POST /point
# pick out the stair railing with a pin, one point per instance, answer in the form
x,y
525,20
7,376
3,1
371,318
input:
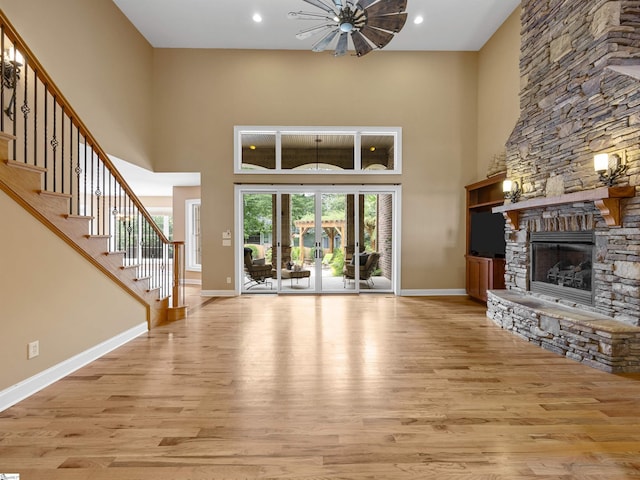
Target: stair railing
x,y
50,134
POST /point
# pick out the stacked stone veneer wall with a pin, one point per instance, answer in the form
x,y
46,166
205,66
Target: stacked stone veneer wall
x,y
573,106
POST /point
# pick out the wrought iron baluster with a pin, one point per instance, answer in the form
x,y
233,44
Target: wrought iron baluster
x,y
111,193
2,74
35,123
78,170
86,170
45,139
62,169
25,110
104,192
97,192
129,228
54,145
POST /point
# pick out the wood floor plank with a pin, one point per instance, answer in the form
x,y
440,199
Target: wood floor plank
x,y
333,387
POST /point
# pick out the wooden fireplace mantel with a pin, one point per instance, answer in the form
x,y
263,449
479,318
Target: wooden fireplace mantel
x,y
606,199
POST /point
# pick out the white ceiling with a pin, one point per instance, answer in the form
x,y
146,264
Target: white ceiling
x,y
456,25
146,183
453,25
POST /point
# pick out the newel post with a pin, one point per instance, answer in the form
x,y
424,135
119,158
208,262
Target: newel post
x,y
177,298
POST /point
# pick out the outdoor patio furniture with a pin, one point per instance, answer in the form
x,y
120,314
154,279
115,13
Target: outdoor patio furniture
x,y
257,271
297,274
367,267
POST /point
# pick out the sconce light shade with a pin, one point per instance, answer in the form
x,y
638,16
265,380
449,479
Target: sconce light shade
x,y
12,60
601,162
511,190
608,173
13,55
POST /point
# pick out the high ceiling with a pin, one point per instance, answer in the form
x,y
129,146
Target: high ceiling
x,y
455,25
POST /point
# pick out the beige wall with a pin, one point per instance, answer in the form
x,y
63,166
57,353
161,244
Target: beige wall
x,y
432,96
498,91
101,64
165,203
48,292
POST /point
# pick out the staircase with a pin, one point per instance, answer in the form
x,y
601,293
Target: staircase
x,y
52,166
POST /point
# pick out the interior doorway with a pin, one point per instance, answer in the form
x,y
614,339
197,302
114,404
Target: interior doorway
x,y
317,239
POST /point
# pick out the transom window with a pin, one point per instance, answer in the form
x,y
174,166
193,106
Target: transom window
x,y
318,150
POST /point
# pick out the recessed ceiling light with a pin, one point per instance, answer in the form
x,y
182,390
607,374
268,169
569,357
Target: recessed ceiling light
x,y
257,17
252,147
418,20
373,149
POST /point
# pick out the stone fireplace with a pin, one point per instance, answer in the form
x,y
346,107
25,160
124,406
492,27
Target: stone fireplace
x,y
575,102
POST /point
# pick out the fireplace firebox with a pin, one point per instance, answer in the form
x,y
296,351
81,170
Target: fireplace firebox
x,y
561,265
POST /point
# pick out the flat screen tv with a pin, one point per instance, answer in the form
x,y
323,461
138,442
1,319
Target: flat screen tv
x,y
487,235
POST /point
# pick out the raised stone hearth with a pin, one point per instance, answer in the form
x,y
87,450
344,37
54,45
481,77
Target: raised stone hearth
x,y
590,338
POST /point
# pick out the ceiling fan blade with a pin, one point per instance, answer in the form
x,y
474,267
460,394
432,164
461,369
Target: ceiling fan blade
x,y
365,3
360,43
321,5
325,41
392,23
385,8
341,49
378,37
308,16
312,31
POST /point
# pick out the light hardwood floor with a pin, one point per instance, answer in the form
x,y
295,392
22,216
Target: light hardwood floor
x,y
333,387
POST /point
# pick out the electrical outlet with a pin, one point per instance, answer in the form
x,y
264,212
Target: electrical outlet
x,y
33,349
228,279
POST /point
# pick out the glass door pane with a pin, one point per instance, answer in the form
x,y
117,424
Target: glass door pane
x,y
334,240
298,242
258,228
371,269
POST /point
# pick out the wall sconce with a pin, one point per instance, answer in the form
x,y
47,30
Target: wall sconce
x,y
511,190
610,166
12,60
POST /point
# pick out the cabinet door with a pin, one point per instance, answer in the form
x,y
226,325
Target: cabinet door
x,y
473,277
478,277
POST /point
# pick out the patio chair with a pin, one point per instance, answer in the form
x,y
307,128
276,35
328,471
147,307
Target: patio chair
x,y
367,267
257,271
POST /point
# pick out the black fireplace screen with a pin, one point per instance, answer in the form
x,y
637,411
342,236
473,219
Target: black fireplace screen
x,y
561,262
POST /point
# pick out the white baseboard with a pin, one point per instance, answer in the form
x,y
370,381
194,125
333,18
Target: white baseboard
x,y
190,281
218,293
15,393
452,292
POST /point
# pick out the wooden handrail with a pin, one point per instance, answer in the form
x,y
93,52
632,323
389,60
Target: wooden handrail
x,y
44,77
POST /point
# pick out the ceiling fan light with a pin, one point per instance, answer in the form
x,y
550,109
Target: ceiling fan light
x,y
346,27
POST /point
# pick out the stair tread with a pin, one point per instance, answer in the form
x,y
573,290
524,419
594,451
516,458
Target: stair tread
x,y
55,194
78,217
25,166
98,236
128,267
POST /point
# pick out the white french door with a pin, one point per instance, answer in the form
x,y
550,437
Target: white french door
x,y
319,239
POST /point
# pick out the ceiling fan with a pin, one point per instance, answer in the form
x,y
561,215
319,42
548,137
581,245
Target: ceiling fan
x,y
371,23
